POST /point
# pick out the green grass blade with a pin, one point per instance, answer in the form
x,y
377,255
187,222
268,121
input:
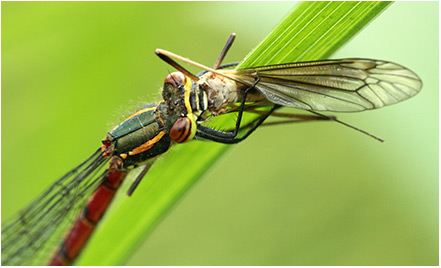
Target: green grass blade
x,y
314,30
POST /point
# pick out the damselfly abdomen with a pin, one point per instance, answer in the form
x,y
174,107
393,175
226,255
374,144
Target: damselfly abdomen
x,y
138,140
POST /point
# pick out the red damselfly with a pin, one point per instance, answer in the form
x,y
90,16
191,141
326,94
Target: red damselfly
x,y
346,85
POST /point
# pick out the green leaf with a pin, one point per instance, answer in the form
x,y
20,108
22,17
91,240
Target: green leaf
x,y
314,30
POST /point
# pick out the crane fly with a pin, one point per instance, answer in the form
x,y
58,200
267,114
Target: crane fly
x,y
344,85
188,101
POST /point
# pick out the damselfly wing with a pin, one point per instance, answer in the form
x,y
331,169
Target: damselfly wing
x,y
29,236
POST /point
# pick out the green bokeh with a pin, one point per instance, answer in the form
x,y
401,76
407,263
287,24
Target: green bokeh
x,y
309,194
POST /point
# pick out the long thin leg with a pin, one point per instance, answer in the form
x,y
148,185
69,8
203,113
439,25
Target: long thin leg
x,y
176,65
242,108
140,177
229,137
306,118
348,125
167,55
224,51
223,66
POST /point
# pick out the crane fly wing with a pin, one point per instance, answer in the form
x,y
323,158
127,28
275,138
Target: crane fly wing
x,y
346,85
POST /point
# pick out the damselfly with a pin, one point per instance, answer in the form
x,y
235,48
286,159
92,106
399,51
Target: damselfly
x,y
188,101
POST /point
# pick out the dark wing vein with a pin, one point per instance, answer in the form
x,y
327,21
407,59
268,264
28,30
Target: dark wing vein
x,y
29,236
346,85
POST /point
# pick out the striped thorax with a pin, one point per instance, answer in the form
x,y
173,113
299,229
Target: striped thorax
x,y
189,102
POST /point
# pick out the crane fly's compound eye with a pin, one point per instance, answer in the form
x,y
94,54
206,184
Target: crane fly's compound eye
x,y
171,83
176,79
183,130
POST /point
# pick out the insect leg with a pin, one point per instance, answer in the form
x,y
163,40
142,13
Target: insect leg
x,y
176,65
230,137
140,176
224,51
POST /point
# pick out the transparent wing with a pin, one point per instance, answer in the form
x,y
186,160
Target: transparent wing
x,y
29,236
346,85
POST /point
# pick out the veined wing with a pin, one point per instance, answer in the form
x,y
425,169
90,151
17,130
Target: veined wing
x,y
346,85
29,235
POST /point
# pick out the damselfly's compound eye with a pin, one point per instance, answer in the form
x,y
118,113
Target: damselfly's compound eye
x,y
171,83
183,130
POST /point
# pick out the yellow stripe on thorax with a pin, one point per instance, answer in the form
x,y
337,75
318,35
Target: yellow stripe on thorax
x,y
187,92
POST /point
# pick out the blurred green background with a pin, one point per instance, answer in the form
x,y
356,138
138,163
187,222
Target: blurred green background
x,y
306,194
